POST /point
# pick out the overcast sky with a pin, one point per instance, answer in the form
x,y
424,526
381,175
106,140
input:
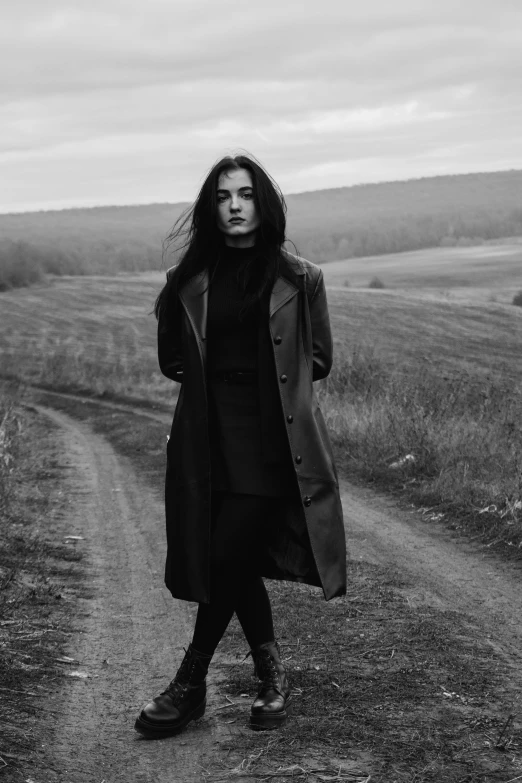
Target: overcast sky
x,y
129,101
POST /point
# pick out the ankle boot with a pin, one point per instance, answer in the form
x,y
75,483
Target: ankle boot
x,y
270,708
182,701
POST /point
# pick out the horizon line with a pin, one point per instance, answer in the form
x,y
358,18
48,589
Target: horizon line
x,y
112,205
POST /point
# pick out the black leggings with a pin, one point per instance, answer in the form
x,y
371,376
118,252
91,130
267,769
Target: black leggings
x,y
241,525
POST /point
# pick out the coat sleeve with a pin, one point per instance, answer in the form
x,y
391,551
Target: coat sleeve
x,y
321,331
170,355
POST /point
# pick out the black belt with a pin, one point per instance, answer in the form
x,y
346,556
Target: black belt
x,y
238,377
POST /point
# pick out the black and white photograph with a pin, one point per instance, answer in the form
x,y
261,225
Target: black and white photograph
x,y
261,391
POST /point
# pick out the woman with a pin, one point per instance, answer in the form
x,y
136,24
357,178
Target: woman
x,y
251,487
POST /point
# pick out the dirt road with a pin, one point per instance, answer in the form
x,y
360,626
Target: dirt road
x,y
447,572
132,633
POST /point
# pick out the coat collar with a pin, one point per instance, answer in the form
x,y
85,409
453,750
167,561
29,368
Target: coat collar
x,y
194,296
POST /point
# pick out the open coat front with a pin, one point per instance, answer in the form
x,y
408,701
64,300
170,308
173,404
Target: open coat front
x,y
310,542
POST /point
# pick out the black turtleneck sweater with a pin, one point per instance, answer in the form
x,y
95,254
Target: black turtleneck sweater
x,y
231,335
248,444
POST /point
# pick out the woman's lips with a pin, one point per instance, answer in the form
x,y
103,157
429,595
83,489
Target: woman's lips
x,y
236,220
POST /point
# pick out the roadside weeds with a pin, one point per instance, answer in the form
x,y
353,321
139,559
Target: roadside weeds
x,y
444,441
40,577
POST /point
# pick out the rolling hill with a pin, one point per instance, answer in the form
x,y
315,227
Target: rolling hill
x,y
325,225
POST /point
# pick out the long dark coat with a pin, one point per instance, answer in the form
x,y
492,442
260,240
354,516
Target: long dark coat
x,y
310,542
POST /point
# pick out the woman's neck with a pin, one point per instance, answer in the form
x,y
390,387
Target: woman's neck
x,y
242,242
230,251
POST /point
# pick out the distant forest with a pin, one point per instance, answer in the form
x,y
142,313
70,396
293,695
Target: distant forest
x,y
324,225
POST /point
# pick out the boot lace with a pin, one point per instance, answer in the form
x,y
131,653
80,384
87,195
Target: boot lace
x,y
178,689
268,673
180,685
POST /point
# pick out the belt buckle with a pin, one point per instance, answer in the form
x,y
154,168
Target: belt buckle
x,y
235,376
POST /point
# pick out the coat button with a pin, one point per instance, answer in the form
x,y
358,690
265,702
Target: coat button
x,y
283,378
298,459
290,418
307,500
278,340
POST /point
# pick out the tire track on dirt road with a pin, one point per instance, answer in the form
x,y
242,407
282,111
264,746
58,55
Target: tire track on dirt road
x,y
131,631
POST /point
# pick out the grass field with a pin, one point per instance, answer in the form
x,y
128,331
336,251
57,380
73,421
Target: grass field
x,y
436,375
90,334
429,315
405,328
492,271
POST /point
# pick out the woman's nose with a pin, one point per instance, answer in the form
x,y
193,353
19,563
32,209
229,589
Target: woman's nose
x,y
235,204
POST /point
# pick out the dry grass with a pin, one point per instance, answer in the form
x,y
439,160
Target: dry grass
x,y
37,577
9,441
406,329
88,335
452,442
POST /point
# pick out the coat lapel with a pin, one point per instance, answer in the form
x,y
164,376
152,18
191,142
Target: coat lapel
x,y
282,292
194,297
283,289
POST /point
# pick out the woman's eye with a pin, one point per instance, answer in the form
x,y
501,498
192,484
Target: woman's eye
x,y
221,199
248,195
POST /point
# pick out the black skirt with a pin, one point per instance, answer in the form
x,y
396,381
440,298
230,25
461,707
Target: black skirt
x,y
236,443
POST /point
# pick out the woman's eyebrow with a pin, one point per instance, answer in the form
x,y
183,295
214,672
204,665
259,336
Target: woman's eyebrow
x,y
245,187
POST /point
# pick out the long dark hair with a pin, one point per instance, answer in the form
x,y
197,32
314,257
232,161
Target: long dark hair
x,y
196,237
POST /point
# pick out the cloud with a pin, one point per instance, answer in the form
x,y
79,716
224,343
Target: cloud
x,y
120,101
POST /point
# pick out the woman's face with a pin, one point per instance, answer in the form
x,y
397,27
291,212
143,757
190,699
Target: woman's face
x,y
237,215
